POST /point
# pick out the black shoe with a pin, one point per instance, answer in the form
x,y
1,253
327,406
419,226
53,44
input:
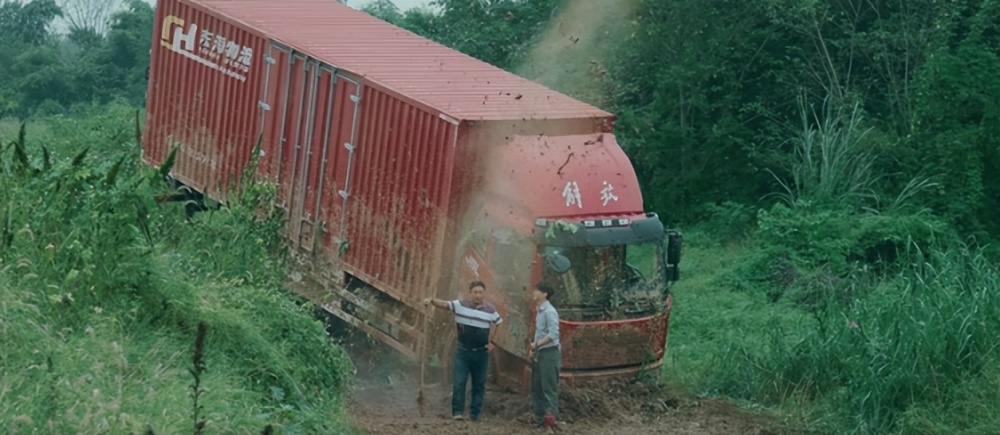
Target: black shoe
x,y
474,418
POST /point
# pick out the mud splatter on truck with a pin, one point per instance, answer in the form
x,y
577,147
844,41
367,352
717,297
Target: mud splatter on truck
x,y
405,169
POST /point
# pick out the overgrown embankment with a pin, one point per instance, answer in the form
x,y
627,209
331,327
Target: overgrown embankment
x,y
850,311
103,291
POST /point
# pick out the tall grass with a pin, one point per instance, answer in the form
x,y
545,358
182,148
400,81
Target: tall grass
x,y
831,164
710,313
919,338
102,291
897,320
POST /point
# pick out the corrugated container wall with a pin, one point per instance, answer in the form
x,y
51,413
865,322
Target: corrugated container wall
x,y
360,123
400,193
356,165
205,81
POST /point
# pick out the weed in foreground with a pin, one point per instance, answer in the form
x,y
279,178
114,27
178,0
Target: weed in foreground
x,y
103,289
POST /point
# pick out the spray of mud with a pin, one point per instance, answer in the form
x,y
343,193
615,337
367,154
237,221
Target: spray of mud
x,y
571,55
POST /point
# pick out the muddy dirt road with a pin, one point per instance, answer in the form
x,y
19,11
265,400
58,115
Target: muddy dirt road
x,y
393,410
384,401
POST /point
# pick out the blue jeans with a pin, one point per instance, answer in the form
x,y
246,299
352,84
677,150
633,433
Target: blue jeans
x,y
468,362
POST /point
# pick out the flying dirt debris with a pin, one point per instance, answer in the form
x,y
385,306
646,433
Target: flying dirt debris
x,y
569,57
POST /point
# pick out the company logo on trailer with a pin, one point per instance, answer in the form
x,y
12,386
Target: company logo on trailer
x,y
206,47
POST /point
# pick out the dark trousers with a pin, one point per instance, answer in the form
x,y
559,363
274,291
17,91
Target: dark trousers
x,y
468,362
545,383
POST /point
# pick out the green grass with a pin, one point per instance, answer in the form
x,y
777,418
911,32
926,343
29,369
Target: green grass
x,y
848,316
709,314
102,291
905,350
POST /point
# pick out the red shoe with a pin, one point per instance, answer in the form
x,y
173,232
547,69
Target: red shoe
x,y
550,421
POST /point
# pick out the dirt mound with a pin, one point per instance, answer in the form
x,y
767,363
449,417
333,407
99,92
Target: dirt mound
x,y
383,400
619,400
610,408
611,401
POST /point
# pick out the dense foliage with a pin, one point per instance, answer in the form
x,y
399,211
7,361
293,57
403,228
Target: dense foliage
x,y
103,290
44,72
709,93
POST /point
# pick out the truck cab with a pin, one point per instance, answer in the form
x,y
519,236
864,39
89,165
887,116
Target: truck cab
x,y
566,209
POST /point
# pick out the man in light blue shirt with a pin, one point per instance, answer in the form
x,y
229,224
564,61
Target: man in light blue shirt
x,y
546,357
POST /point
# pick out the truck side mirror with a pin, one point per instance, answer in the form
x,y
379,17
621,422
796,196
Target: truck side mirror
x,y
674,241
556,261
673,255
673,273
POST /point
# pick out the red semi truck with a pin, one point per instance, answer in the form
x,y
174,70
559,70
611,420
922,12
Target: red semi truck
x,y
406,169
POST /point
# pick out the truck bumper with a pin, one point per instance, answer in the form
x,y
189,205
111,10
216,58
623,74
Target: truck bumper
x,y
596,351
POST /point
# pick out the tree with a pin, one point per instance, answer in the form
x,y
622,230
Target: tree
x,y
27,23
385,10
494,31
116,67
92,15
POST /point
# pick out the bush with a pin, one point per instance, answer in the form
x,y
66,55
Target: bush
x,y
728,221
913,341
834,244
103,290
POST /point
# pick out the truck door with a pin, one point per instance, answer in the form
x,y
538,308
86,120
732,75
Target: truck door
x,y
286,82
302,155
315,161
309,127
340,156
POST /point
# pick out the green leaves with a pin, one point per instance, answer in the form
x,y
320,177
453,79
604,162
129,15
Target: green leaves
x,y
20,155
957,136
832,164
560,226
168,163
494,31
46,73
27,23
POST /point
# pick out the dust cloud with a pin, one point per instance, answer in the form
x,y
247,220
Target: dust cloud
x,y
571,54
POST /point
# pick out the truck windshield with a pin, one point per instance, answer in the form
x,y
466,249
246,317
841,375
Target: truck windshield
x,y
609,283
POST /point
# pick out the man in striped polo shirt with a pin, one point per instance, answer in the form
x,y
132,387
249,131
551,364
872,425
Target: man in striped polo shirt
x,y
476,321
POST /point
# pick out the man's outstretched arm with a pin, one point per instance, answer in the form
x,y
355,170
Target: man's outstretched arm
x,y
436,302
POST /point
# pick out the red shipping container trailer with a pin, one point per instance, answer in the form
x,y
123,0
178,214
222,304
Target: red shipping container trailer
x,y
406,169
